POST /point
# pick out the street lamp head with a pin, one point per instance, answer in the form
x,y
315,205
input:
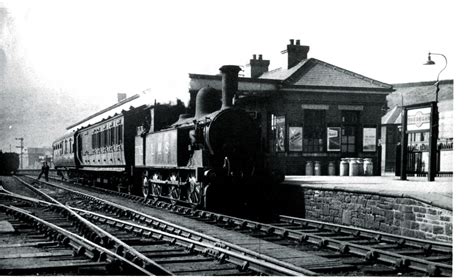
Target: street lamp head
x,y
429,61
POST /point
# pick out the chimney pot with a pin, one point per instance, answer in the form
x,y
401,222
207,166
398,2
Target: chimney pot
x,y
259,57
296,53
292,41
254,56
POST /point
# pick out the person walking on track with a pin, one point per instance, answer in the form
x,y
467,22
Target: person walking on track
x,y
45,171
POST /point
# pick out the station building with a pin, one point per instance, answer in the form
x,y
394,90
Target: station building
x,y
312,113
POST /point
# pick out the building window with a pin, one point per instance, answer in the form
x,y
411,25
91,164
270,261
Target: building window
x,y
349,133
314,131
278,133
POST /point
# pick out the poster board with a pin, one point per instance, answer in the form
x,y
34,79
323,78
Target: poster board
x,y
334,139
369,139
280,134
295,138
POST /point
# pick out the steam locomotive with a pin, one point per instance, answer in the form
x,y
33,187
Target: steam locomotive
x,y
200,160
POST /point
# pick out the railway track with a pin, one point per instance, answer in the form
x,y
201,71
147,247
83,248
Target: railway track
x,y
32,245
373,253
156,251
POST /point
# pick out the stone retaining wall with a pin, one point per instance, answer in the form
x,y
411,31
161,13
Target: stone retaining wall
x,y
397,215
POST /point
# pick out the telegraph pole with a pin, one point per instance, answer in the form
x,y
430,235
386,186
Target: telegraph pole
x,y
21,150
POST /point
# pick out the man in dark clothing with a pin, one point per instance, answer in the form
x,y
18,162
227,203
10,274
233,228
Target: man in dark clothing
x,y
45,171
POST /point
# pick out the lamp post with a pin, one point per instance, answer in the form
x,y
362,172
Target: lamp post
x,y
434,129
21,150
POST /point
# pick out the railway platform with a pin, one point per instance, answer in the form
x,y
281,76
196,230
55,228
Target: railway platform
x,y
415,207
439,192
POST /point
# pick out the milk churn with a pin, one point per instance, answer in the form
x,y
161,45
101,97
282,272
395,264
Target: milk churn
x,y
353,167
368,167
317,168
360,165
331,168
344,167
309,168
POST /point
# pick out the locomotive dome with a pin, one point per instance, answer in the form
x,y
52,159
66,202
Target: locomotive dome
x,y
208,100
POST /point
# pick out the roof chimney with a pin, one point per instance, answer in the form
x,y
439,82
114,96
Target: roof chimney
x,y
121,96
296,53
258,66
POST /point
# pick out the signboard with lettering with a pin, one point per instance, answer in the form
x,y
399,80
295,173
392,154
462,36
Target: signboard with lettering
x,y
418,119
369,139
296,139
334,138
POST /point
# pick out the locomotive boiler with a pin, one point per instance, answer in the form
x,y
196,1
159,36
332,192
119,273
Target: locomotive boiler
x,y
200,159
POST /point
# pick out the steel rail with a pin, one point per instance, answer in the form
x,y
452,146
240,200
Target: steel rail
x,y
81,245
182,230
398,260
98,235
222,254
379,236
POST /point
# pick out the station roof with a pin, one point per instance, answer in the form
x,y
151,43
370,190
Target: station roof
x,y
309,74
416,93
420,92
314,72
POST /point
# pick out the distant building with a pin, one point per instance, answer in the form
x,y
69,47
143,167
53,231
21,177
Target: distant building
x,y
416,93
309,111
33,158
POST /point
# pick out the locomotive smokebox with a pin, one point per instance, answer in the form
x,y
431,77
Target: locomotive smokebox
x,y
230,74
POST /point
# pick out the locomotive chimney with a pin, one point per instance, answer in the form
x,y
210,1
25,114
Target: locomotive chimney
x,y
230,74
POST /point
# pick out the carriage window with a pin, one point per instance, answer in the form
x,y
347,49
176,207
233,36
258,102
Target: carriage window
x,y
109,137
112,132
119,134
102,138
99,139
70,145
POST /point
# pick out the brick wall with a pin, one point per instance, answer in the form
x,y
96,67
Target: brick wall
x,y
396,215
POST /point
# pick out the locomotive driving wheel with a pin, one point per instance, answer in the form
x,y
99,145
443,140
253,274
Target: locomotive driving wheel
x,y
145,188
174,189
193,193
156,190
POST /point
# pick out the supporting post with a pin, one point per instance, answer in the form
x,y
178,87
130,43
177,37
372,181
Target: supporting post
x,y
21,150
433,137
404,147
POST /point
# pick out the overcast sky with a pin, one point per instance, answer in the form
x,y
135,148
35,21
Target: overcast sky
x,y
98,48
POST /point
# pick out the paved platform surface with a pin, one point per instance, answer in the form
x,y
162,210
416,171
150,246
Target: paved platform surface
x,y
438,193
